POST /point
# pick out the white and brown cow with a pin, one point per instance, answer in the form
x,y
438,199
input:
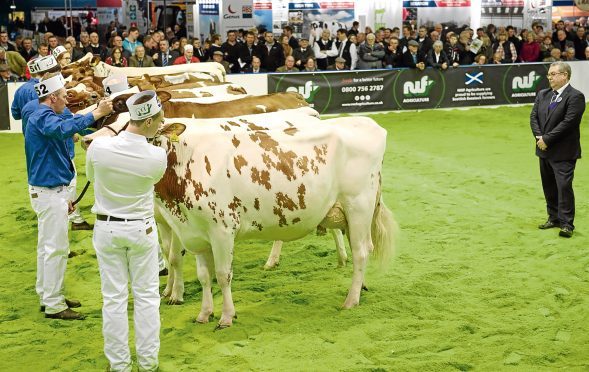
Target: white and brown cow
x,y
240,179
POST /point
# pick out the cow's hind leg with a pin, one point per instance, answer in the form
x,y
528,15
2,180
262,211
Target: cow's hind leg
x,y
176,295
342,256
359,222
223,254
205,265
274,258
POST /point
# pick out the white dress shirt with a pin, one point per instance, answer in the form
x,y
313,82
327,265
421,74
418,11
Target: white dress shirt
x,y
124,169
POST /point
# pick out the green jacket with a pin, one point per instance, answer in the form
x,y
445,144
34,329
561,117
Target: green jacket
x,y
16,62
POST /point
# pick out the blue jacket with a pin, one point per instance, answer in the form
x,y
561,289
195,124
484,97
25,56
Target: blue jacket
x,y
48,160
22,96
32,106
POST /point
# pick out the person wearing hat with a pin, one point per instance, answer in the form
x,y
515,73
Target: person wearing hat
x,y
218,57
5,76
27,93
188,56
50,171
303,53
412,58
340,65
124,170
14,60
62,56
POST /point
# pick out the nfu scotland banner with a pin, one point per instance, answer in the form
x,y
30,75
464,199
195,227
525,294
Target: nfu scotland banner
x,y
409,89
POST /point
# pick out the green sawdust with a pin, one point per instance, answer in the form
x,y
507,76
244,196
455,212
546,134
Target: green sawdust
x,y
474,285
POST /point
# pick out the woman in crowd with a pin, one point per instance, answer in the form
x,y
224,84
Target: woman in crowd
x,y
183,42
310,65
530,51
116,58
486,49
546,47
287,49
505,47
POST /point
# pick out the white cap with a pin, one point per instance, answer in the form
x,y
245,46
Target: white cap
x,y
188,47
42,64
143,110
58,50
53,84
114,84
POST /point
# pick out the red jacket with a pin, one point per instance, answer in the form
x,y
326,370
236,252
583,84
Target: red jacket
x,y
182,60
530,52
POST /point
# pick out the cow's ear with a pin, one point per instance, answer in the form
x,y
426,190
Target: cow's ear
x,y
163,95
172,130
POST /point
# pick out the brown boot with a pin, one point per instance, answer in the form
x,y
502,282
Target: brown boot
x,y
70,303
67,314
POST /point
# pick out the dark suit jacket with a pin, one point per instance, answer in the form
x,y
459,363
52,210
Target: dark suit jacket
x,y
408,59
558,125
172,55
431,59
273,59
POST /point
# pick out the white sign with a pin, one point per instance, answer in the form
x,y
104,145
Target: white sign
x,y
236,14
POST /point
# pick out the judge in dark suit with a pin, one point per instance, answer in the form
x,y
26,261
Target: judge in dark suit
x,y
555,120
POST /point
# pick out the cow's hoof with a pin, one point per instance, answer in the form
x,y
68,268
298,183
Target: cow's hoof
x,y
350,304
364,287
204,318
342,264
271,266
175,301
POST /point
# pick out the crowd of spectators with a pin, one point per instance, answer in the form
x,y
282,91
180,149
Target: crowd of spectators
x,y
254,51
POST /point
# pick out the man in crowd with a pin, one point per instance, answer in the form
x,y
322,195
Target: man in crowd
x,y
124,170
256,66
53,43
323,50
96,48
165,56
340,65
131,42
289,65
562,43
117,42
412,58
140,59
218,57
27,51
50,171
555,121
15,62
580,43
270,53
4,43
346,49
246,51
5,76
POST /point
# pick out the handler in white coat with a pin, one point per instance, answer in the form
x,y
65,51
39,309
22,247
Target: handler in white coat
x,y
124,170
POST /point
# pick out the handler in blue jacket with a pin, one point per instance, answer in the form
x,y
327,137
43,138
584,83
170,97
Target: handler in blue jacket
x,y
50,171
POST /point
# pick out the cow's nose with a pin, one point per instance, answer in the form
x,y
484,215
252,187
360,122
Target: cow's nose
x,y
86,143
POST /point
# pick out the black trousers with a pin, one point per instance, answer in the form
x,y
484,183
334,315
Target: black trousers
x,y
557,182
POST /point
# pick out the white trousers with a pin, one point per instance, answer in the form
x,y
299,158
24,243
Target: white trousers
x,y
50,205
75,216
128,251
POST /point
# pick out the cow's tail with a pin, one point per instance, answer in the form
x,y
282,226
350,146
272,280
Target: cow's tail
x,y
384,230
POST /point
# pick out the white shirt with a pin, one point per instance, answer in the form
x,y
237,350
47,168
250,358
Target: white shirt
x,y
559,91
124,169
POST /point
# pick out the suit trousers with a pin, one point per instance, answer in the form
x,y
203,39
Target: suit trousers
x,y
557,182
128,251
50,205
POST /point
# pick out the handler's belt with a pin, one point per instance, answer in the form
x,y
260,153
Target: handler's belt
x,y
104,217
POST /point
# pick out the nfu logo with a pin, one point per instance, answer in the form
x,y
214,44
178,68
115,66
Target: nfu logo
x,y
308,91
526,83
418,88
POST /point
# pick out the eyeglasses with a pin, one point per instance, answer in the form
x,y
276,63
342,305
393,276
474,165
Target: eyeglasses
x,y
555,73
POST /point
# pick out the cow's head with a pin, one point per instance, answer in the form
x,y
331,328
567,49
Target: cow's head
x,y
78,100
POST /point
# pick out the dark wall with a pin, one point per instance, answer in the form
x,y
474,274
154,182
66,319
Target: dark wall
x,y
28,5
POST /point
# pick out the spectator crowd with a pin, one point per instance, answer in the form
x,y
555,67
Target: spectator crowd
x,y
259,51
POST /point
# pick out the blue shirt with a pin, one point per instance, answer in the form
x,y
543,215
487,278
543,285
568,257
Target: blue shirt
x,y
22,96
131,45
31,107
48,160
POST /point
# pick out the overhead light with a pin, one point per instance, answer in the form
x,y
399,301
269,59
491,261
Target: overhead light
x,y
13,6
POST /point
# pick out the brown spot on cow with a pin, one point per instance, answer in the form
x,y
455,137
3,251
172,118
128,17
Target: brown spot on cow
x,y
320,153
261,178
235,141
226,128
268,161
285,164
296,220
171,188
236,203
212,191
252,126
303,164
239,162
284,201
291,131
228,174
232,123
281,217
314,167
301,191
257,204
257,225
264,140
207,165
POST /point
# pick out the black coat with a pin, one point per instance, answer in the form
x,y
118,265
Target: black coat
x,y
408,59
272,59
431,60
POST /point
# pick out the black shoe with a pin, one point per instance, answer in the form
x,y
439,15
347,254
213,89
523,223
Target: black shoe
x,y
549,225
566,232
164,272
82,226
67,314
69,303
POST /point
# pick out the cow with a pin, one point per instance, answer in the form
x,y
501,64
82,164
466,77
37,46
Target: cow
x,y
243,180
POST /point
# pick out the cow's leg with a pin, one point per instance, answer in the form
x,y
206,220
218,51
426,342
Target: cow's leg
x,y
359,222
223,254
274,258
342,256
205,265
165,233
176,296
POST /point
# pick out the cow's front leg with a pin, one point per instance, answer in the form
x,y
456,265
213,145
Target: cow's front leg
x,y
176,296
274,258
223,255
205,265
